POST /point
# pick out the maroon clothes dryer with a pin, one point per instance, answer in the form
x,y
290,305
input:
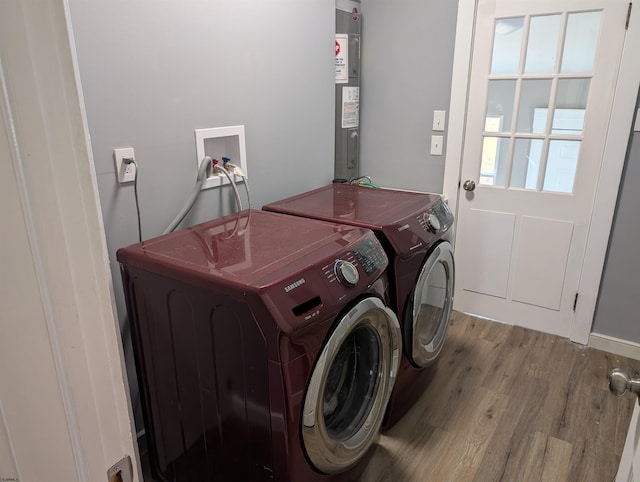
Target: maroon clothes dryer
x,y
264,347
413,228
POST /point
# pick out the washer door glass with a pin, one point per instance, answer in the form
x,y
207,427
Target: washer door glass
x,y
427,316
350,386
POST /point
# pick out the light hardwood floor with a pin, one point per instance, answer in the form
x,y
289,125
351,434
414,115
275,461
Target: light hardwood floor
x,y
509,404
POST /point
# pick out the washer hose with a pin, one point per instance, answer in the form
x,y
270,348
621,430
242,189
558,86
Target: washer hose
x,y
202,173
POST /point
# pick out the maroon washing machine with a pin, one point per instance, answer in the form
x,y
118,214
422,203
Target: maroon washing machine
x,y
264,348
413,228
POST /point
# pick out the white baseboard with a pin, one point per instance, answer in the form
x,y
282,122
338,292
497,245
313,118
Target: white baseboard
x,y
616,346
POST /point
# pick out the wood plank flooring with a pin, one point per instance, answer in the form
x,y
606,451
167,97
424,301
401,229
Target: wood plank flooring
x,y
509,404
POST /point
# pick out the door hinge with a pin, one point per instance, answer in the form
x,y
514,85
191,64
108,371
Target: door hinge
x,y
626,26
575,302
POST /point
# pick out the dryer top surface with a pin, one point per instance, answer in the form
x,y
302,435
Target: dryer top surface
x,y
250,248
409,221
362,206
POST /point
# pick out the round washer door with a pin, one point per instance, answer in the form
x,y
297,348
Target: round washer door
x,y
350,386
426,318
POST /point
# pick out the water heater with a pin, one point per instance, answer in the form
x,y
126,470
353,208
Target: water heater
x,y
347,125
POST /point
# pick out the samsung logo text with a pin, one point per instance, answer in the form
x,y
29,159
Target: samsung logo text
x,y
294,285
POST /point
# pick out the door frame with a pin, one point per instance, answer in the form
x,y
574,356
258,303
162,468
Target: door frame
x,y
43,107
616,143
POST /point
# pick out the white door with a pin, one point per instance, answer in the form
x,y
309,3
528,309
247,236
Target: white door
x,y
629,470
64,413
542,87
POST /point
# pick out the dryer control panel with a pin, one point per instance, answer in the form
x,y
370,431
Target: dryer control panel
x,y
437,219
420,230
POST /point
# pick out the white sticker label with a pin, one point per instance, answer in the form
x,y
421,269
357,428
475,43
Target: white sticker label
x,y
342,58
350,107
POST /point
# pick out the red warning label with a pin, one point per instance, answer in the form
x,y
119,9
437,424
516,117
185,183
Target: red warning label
x,y
342,60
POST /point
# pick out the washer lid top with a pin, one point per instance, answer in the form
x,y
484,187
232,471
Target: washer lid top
x,y
250,248
407,218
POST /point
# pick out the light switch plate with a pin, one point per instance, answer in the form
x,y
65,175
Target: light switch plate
x,y
439,117
436,145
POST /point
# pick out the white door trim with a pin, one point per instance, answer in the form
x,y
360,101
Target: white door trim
x,y
615,151
43,107
37,254
459,98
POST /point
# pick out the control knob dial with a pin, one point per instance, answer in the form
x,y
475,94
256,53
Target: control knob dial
x,y
347,273
432,222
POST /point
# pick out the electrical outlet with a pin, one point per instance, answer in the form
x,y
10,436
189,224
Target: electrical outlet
x,y
125,172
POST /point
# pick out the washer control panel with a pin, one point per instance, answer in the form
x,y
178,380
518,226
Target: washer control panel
x,y
370,256
343,271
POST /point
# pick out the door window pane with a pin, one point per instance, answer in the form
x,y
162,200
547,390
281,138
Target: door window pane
x,y
500,101
493,123
542,91
526,163
534,103
495,153
571,103
561,166
580,41
507,41
542,47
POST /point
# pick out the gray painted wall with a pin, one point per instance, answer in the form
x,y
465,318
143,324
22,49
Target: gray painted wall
x,y
153,71
407,61
617,310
